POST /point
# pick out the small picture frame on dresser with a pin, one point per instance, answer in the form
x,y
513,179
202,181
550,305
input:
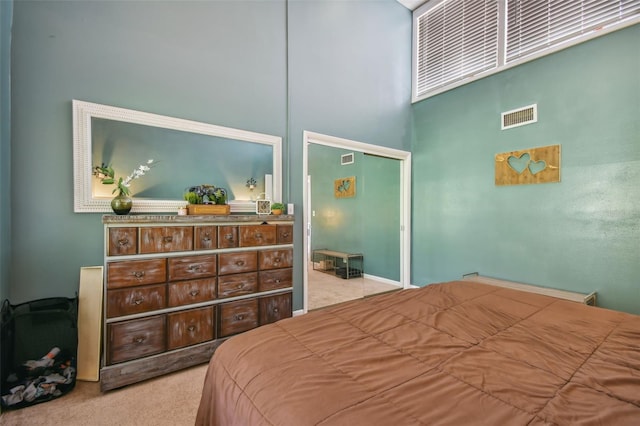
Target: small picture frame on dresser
x,y
263,206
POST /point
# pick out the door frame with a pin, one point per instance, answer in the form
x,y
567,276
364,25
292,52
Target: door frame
x,y
405,198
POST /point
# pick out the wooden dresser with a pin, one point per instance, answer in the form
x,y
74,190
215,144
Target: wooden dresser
x,y
177,286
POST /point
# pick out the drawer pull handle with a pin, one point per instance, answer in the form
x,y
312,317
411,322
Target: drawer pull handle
x,y
191,328
240,263
206,239
241,285
194,292
138,274
239,317
285,234
167,239
138,301
258,235
276,310
123,242
194,268
276,260
139,339
277,281
228,237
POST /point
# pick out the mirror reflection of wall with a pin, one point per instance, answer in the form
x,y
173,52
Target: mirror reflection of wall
x,y
183,159
368,223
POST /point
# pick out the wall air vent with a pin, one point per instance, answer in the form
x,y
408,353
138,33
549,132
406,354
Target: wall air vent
x,y
520,116
347,159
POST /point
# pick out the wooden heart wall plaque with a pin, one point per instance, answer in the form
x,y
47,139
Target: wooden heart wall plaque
x,y
535,165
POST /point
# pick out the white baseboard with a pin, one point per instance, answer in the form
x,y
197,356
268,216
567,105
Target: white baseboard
x,y
382,280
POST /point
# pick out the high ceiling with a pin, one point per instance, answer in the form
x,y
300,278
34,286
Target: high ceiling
x,y
411,4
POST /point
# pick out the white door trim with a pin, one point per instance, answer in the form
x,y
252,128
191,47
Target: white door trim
x,y
405,198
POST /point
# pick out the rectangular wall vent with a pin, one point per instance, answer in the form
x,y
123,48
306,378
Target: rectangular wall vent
x,y
347,159
520,116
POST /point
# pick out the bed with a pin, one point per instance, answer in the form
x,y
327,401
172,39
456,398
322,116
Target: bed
x,y
453,353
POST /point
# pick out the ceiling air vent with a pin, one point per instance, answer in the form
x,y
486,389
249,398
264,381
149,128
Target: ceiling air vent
x,y
520,116
347,159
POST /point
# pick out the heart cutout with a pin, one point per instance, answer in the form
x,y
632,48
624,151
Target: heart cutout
x,y
537,166
519,164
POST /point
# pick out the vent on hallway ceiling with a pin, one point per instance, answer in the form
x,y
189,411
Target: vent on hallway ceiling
x,y
520,116
347,159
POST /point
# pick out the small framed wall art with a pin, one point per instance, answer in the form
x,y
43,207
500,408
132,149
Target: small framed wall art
x,y
345,187
263,206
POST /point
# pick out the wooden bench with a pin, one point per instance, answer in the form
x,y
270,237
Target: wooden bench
x,y
326,260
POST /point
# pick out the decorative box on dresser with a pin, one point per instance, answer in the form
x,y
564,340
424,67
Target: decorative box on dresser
x,y
178,286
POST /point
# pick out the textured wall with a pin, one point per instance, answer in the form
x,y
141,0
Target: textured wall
x,y
218,62
6,12
349,74
581,234
276,67
368,223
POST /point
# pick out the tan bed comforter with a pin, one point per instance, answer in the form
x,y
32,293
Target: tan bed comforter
x,y
452,353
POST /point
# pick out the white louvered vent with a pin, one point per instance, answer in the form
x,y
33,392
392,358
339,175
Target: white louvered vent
x,y
347,159
520,116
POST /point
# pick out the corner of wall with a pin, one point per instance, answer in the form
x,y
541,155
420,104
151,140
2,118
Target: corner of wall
x,y
6,18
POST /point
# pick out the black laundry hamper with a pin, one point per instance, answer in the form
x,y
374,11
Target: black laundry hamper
x,y
30,331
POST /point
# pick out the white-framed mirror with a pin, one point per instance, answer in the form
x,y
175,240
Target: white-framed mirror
x,y
241,150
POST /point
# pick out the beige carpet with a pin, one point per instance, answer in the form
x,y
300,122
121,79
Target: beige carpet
x,y
168,400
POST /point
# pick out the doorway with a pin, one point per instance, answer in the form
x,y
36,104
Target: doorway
x,y
397,244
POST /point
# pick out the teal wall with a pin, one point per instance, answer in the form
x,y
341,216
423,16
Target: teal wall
x,y
336,224
581,234
275,67
217,62
6,11
368,223
349,73
381,216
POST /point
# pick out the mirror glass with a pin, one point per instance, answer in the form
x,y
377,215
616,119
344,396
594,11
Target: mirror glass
x,y
185,153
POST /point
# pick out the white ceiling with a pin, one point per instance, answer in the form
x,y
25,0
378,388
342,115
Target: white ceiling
x,y
411,4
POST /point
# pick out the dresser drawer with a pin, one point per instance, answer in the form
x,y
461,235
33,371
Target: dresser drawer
x,y
257,235
122,241
228,236
285,234
191,267
275,308
134,300
236,317
166,239
194,291
136,338
275,259
233,263
237,284
274,279
129,273
205,237
190,327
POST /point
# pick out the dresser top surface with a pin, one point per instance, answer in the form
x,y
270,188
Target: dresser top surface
x,y
191,219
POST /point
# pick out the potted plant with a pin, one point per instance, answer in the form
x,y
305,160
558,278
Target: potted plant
x,y
122,202
277,208
206,199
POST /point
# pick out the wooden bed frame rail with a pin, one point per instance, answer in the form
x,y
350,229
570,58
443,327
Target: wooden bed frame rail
x,y
587,299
